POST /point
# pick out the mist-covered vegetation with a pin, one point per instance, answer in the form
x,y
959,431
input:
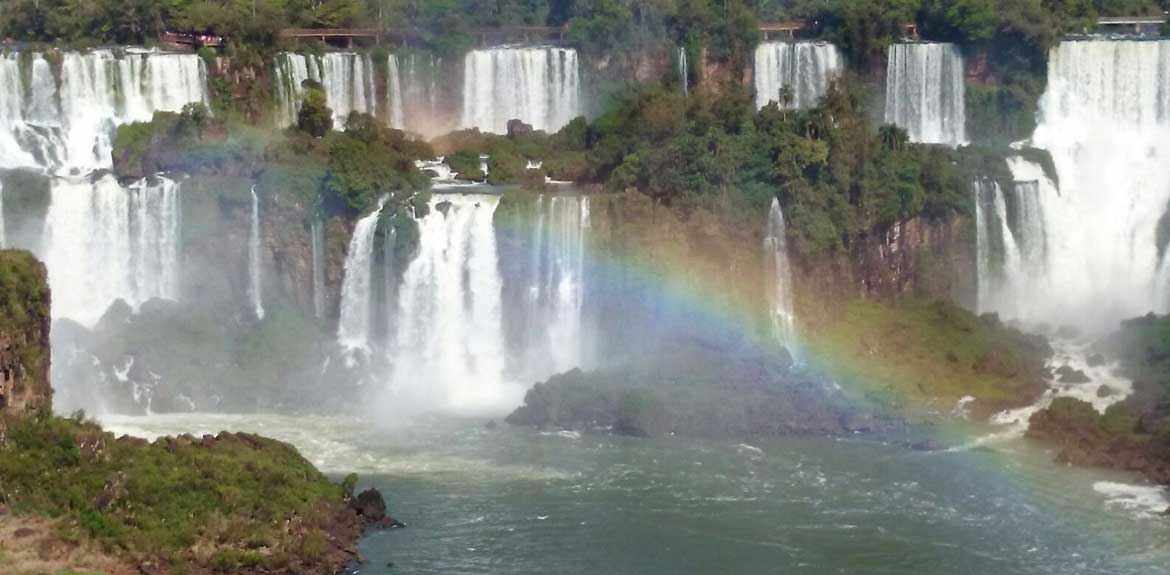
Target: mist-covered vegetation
x,y
343,171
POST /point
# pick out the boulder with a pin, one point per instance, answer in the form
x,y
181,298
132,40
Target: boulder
x,y
518,128
371,508
1066,374
1105,391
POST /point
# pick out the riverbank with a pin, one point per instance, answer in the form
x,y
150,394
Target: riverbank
x,y
75,496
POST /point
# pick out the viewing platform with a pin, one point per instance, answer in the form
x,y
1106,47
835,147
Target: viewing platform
x,y
1136,25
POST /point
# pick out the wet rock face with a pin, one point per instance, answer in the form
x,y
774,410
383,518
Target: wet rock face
x,y
24,334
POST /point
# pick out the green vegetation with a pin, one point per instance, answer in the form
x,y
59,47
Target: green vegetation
x,y
837,176
928,355
314,118
24,295
230,502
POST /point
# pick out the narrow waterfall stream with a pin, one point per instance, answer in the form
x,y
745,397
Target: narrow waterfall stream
x,y
255,259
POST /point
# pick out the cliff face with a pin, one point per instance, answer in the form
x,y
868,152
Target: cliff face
x,y
24,333
920,257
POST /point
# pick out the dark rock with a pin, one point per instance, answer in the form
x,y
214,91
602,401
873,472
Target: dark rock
x,y
443,207
370,505
926,445
1066,374
114,491
491,424
24,532
518,128
1105,391
1096,359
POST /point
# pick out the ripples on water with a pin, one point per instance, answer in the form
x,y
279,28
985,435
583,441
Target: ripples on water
x,y
515,501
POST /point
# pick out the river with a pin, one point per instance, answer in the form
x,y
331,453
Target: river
x,y
506,500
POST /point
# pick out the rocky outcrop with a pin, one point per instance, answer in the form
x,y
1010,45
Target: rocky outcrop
x,y
24,334
696,388
1113,440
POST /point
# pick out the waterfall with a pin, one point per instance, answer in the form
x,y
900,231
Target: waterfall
x,y
104,242
317,237
925,92
394,94
3,234
255,259
69,125
390,281
683,77
554,287
997,252
1092,243
804,69
448,349
780,296
353,327
538,85
346,77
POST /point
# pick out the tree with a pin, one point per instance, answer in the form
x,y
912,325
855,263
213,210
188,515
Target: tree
x,y
314,117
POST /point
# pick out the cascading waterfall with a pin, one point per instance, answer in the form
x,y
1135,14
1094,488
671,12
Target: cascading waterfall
x,y
780,296
925,92
683,72
105,242
448,350
69,125
1091,245
537,85
346,77
394,94
353,327
255,290
317,239
102,242
803,69
423,111
555,287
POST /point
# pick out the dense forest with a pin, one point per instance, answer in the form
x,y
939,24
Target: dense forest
x,y
727,28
